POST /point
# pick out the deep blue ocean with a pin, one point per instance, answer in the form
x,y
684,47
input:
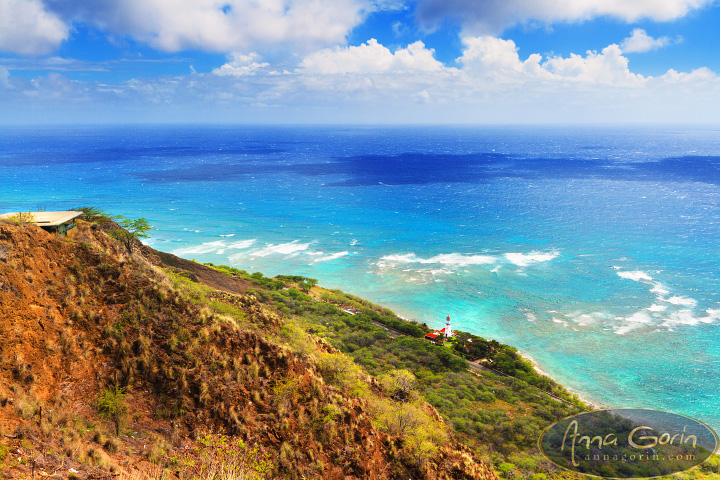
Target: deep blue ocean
x,y
593,250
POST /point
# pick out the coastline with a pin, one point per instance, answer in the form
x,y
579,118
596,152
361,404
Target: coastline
x,y
536,366
581,395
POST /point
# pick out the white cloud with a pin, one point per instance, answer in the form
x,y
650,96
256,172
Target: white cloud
x,y
498,58
240,65
492,83
26,28
609,67
225,26
371,57
493,16
702,74
640,42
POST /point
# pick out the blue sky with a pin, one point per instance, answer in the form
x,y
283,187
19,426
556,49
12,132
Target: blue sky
x,y
359,61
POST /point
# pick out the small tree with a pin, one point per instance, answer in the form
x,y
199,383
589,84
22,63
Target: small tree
x,y
307,283
131,231
92,214
111,404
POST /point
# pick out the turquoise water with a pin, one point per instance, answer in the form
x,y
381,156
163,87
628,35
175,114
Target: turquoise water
x,y
595,251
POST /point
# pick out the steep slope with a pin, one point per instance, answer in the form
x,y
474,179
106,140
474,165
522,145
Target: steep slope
x,y
95,343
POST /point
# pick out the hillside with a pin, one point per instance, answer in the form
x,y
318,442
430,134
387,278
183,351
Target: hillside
x,y
127,365
151,366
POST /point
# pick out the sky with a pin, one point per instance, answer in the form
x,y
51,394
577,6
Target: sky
x,y
360,61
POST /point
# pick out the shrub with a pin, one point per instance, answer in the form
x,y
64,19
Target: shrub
x,y
223,457
399,384
112,405
506,467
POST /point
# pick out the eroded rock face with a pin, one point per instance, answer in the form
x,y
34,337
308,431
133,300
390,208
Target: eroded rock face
x,y
78,315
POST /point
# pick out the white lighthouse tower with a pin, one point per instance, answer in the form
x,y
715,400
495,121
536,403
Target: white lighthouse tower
x,y
448,330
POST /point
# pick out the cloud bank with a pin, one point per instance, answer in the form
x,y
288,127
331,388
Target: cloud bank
x,y
372,83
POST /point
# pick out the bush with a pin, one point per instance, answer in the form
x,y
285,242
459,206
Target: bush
x,y
399,384
223,457
111,404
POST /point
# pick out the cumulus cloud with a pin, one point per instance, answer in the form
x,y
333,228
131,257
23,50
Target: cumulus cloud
x,y
371,57
239,65
640,42
609,67
697,76
27,28
499,59
493,16
372,83
223,26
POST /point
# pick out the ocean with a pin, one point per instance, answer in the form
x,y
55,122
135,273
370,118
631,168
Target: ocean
x,y
593,250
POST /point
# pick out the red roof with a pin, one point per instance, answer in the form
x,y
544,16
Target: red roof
x,y
432,335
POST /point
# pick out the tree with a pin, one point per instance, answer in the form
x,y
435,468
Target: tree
x,y
130,231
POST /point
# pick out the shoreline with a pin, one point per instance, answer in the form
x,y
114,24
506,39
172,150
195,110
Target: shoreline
x,y
581,395
536,366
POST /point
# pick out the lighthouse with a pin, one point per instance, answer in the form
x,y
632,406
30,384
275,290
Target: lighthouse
x,y
448,330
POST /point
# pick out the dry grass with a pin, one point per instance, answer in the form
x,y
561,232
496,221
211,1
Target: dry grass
x,y
19,218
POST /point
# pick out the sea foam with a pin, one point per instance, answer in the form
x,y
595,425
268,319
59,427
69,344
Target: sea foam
x,y
289,248
450,259
637,275
634,321
686,317
208,247
333,256
525,259
242,244
683,301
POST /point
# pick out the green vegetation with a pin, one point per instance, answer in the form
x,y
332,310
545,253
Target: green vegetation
x,y
92,214
501,416
500,357
111,404
130,232
219,457
304,283
328,302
